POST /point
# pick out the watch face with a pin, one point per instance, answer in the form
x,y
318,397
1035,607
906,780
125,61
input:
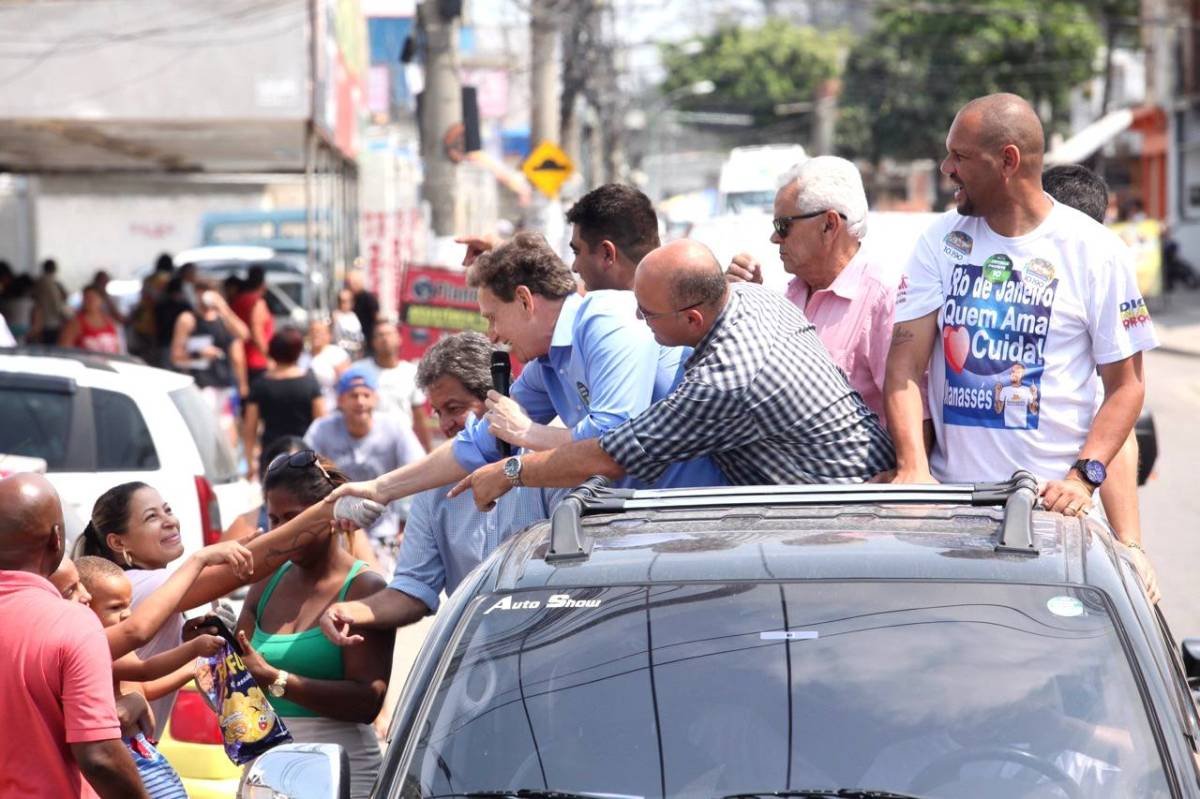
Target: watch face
x,y
512,468
1094,471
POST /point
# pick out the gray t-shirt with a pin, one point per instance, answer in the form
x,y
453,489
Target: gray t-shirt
x,y
170,635
390,445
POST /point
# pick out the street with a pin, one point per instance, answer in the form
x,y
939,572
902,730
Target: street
x,y
1170,500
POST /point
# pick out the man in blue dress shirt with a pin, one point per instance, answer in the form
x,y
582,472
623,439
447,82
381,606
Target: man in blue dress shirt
x,y
588,361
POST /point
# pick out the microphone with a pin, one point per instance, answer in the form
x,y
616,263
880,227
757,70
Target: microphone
x,y
501,380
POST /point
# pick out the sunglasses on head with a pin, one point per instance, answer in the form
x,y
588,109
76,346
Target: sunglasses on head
x,y
297,460
783,224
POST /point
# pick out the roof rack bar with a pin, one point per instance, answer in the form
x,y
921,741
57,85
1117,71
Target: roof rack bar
x,y
1017,495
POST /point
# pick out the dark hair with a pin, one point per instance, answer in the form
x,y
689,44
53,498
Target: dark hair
x,y
525,260
49,266
308,484
696,287
1078,187
233,284
286,345
164,263
278,447
619,213
256,276
467,357
110,514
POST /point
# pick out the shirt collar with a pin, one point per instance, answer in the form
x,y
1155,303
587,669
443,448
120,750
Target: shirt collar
x,y
14,579
564,328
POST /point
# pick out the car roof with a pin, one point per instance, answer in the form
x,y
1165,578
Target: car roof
x,y
118,372
842,533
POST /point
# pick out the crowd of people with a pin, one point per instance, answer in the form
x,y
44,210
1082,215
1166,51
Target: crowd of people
x,y
1004,342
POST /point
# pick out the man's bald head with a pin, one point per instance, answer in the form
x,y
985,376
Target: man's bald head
x,y
1003,119
31,526
688,270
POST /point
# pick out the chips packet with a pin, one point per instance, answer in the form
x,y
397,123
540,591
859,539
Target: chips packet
x,y
248,723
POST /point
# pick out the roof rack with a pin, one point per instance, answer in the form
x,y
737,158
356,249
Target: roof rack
x,y
1017,495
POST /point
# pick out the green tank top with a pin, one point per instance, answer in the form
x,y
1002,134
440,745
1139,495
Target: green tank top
x,y
308,653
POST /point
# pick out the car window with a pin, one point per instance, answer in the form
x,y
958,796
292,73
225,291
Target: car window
x,y
220,465
123,442
930,689
37,424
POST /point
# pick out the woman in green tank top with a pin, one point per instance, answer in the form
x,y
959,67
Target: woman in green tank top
x,y
326,694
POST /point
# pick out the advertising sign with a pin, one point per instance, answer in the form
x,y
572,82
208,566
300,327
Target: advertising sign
x,y
434,302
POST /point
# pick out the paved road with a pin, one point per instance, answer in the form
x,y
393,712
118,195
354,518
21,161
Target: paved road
x,y
1171,500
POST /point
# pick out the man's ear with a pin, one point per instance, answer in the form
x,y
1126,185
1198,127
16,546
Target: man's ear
x,y
525,298
610,252
1010,159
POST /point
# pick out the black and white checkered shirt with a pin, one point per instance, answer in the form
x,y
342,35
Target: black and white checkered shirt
x,y
762,397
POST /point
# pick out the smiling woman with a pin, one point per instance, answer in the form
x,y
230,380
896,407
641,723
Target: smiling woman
x,y
135,528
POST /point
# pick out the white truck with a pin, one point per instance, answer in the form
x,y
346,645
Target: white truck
x,y
750,176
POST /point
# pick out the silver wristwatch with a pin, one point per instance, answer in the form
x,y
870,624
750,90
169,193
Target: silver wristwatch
x,y
512,470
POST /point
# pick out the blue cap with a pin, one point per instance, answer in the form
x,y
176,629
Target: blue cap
x,y
357,377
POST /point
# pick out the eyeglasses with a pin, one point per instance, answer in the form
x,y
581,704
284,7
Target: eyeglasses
x,y
648,316
297,460
783,224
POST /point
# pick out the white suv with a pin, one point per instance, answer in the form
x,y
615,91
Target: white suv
x,y
100,420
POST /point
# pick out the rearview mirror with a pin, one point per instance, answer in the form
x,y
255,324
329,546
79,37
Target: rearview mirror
x,y
298,771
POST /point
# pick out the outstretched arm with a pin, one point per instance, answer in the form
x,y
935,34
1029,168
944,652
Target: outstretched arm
x,y
133,669
435,469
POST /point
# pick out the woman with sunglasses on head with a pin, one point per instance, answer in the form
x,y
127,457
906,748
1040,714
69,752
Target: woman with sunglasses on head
x,y
135,528
326,694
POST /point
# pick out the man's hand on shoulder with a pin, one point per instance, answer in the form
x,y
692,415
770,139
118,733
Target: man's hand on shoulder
x,y
744,268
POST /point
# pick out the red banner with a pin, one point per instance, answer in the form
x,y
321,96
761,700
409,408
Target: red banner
x,y
435,301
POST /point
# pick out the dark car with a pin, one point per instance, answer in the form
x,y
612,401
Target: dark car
x,y
911,641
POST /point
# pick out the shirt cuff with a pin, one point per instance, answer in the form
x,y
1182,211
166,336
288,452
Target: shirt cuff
x,y
417,590
622,446
475,446
93,734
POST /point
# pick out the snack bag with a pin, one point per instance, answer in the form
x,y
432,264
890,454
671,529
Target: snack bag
x,y
248,722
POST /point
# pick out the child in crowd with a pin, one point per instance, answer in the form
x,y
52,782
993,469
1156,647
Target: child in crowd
x,y
112,595
66,581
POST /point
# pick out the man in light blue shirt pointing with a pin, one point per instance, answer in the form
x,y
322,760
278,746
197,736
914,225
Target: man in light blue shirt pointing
x,y
588,360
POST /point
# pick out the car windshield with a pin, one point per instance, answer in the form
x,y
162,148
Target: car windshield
x,y
921,688
220,466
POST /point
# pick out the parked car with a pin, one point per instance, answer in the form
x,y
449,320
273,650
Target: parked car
x,y
291,289
812,641
100,420
193,743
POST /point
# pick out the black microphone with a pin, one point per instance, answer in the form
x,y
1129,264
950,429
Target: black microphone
x,y
501,380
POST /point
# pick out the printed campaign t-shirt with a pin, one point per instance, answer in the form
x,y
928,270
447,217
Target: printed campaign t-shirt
x,y
1024,322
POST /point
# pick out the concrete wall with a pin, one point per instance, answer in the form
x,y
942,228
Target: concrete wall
x,y
121,225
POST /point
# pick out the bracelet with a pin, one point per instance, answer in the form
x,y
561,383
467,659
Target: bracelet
x,y
1134,545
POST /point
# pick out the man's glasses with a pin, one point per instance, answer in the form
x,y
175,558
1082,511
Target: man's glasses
x,y
297,460
649,316
783,224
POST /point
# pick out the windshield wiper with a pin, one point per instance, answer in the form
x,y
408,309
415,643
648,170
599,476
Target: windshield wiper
x,y
532,793
824,793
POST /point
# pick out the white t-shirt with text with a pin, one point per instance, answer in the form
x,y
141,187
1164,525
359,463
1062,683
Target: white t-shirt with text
x,y
1023,324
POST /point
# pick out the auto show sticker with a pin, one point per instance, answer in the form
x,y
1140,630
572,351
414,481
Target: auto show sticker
x,y
1067,606
554,601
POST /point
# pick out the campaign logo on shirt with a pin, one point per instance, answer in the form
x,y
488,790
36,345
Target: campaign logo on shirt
x,y
1037,272
993,337
957,245
1134,313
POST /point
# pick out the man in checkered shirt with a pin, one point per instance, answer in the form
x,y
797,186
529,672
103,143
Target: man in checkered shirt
x,y
760,394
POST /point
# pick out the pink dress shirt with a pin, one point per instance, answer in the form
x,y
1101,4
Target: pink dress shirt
x,y
854,317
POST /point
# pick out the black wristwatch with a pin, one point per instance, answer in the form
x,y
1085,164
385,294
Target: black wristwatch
x,y
1092,471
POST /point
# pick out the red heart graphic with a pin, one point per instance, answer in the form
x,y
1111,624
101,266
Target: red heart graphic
x,y
956,341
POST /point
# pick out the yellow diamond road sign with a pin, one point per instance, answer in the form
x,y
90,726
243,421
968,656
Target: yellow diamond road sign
x,y
547,168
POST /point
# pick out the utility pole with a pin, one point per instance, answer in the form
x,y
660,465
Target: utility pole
x,y
543,43
441,112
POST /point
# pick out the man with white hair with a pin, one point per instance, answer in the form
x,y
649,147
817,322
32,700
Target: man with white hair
x,y
820,221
